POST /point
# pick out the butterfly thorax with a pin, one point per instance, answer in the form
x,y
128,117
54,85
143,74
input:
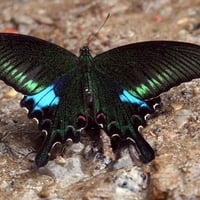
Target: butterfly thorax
x,y
86,65
85,59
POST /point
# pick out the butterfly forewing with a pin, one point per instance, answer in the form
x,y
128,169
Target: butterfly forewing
x,y
30,64
147,69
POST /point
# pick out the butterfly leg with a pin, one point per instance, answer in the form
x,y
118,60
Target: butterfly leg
x,y
106,145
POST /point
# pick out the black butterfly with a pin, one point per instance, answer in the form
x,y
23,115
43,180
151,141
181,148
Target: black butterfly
x,y
112,91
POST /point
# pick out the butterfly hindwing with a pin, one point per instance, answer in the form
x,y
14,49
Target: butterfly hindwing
x,y
30,64
57,108
146,69
120,113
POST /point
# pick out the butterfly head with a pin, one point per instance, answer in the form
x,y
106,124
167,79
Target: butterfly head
x,y
85,50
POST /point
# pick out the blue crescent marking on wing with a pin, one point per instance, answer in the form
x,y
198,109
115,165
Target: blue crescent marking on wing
x,y
45,98
125,96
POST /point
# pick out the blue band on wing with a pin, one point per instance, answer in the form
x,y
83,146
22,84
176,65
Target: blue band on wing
x,y
45,98
125,96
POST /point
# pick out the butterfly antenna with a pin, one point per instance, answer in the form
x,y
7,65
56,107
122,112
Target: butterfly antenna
x,y
91,36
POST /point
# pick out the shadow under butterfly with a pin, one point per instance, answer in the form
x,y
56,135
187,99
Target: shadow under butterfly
x,y
113,91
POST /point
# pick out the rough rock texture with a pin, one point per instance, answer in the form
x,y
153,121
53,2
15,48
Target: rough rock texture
x,y
174,133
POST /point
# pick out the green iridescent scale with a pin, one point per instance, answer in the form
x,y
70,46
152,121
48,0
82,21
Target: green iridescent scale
x,y
113,91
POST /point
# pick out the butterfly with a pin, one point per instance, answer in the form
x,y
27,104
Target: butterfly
x,y
113,91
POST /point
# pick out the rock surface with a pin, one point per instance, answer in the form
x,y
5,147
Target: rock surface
x,y
174,133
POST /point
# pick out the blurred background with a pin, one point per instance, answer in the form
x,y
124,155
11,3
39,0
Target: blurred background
x,y
174,133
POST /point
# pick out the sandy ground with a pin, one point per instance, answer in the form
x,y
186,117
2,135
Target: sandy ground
x,y
174,133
